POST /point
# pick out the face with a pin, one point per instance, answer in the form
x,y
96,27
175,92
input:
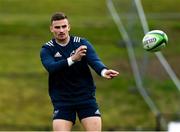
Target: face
x,y
60,30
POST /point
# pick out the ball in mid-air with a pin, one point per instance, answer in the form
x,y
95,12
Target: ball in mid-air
x,y
154,40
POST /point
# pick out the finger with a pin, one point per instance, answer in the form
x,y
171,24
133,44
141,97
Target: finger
x,y
82,51
83,47
113,75
113,72
78,49
108,77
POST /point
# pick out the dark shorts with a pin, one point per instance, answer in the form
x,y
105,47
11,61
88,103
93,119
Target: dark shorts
x,y
69,112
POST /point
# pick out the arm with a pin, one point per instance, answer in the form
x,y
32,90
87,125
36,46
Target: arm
x,y
97,65
93,59
49,63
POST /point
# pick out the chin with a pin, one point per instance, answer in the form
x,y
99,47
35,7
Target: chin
x,y
62,39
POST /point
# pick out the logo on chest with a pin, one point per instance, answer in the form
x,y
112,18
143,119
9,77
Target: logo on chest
x,y
57,54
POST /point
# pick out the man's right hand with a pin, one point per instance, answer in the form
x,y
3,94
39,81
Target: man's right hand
x,y
79,53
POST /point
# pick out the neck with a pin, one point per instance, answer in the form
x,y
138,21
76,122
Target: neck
x,y
63,42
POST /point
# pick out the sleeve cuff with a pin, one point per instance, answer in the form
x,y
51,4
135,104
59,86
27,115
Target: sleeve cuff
x,y
70,62
103,72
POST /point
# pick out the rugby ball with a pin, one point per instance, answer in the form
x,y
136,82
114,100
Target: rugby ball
x,y
154,40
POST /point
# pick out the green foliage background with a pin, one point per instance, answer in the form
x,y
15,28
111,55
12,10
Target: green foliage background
x,y
24,100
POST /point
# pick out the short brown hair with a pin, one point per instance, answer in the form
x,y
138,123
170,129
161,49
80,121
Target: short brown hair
x,y
58,16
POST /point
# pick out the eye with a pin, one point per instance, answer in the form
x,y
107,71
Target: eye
x,y
64,26
57,27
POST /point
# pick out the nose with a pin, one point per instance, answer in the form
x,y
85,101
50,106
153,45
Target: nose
x,y
61,29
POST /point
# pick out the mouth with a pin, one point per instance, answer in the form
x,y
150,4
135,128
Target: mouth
x,y
61,35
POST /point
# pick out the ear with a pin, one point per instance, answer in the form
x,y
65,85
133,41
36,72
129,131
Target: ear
x,y
69,27
51,28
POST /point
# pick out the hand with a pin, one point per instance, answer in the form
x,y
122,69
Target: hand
x,y
109,74
79,53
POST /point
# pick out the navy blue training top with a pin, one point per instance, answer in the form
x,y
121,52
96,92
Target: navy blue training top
x,y
70,84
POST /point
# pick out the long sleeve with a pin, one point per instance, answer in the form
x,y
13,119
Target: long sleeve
x,y
93,59
49,62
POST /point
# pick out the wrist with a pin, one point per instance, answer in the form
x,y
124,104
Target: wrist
x,y
103,72
70,61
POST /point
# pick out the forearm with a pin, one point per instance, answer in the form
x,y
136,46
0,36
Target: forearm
x,y
98,66
53,66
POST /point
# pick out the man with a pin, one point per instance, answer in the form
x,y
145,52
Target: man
x,y
71,86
